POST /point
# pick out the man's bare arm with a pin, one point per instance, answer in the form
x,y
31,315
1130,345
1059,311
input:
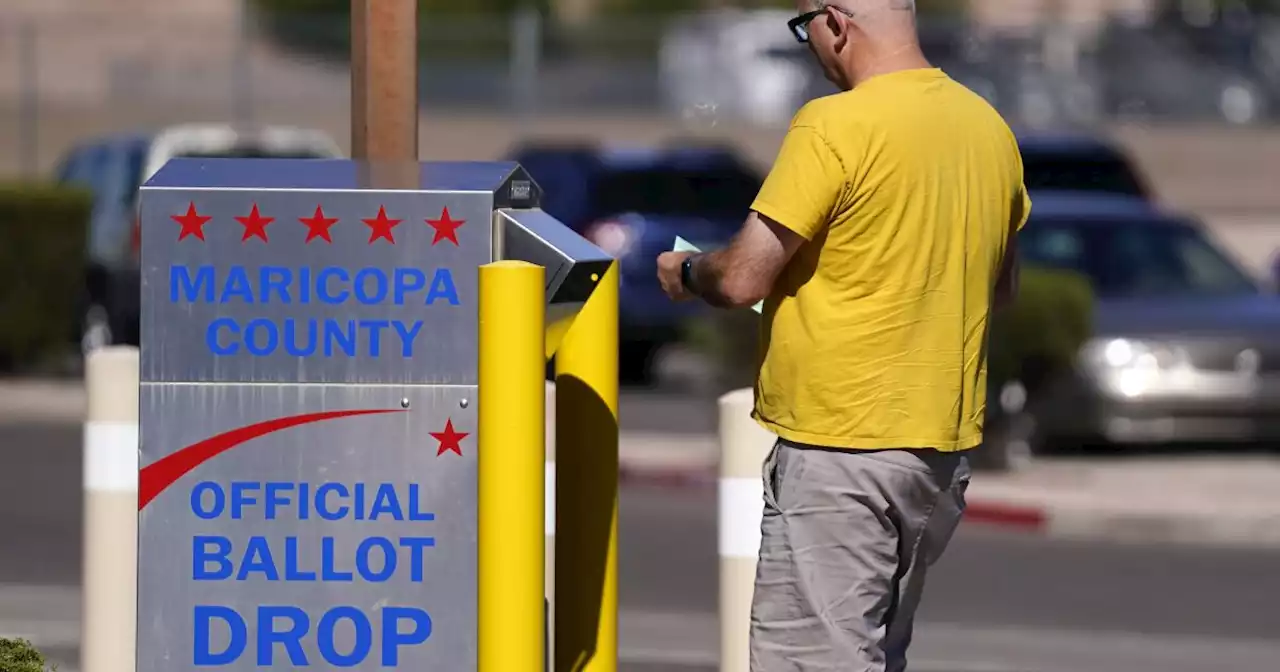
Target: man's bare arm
x,y
743,273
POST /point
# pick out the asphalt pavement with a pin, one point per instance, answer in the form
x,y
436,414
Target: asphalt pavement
x,y
998,601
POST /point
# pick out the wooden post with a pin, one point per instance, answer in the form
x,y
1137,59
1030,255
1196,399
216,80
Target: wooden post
x,y
384,80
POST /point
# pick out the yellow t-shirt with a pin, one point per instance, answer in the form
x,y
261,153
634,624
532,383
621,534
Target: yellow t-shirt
x,y
875,335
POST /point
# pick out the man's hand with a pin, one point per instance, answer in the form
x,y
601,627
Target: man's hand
x,y
669,264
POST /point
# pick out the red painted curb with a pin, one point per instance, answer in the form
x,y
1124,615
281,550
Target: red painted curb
x,y
1005,515
667,476
983,513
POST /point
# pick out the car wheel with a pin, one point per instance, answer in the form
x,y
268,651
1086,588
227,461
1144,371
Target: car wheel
x,y
1011,441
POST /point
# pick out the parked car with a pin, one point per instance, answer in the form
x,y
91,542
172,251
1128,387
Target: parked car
x,y
1079,162
632,203
1185,344
113,167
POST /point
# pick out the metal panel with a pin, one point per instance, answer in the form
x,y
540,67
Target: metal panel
x,y
275,496
394,304
574,264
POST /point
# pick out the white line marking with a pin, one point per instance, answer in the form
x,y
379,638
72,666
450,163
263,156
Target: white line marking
x,y
741,502
111,456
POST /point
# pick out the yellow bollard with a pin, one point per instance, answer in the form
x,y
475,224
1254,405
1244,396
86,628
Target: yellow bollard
x,y
511,458
586,608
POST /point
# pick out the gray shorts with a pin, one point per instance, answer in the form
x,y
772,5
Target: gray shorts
x,y
847,539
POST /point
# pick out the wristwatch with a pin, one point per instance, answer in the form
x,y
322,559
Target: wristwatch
x,y
686,275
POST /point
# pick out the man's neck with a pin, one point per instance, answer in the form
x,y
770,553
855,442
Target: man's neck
x,y
885,60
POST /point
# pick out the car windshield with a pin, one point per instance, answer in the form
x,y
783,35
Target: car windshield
x,y
710,193
1135,259
1083,172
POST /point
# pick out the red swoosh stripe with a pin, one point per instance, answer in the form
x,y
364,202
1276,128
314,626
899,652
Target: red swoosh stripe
x,y
154,478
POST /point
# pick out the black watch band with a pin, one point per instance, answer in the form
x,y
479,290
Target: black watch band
x,y
686,275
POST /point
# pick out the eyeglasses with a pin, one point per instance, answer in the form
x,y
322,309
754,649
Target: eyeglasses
x,y
799,26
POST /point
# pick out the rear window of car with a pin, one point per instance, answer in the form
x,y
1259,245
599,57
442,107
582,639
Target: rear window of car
x,y
1081,172
1130,259
713,193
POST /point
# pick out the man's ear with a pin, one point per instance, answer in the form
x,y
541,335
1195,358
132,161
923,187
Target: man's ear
x,y
837,22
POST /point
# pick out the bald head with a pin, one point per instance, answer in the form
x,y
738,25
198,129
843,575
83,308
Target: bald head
x,y
872,9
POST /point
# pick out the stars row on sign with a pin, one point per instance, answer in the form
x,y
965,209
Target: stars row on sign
x,y
255,225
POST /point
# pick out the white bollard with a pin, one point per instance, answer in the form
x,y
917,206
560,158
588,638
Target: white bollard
x,y
744,445
549,524
109,607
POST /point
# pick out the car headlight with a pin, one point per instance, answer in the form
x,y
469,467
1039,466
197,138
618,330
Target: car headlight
x,y
1130,367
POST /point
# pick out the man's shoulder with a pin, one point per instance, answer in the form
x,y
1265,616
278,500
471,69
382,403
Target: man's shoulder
x,y
819,113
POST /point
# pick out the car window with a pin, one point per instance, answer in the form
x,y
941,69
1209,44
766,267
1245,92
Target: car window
x,y
1101,173
714,193
256,152
1135,259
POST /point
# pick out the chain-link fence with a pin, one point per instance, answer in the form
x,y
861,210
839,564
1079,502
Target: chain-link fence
x,y
68,76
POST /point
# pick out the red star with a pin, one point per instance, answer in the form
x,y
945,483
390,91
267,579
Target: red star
x,y
380,226
255,225
449,439
192,222
318,225
446,228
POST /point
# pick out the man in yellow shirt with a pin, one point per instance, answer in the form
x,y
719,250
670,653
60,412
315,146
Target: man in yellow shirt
x,y
880,242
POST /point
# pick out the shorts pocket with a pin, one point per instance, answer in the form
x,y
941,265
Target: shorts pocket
x,y
769,477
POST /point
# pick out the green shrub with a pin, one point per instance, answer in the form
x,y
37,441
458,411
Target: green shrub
x,y
18,655
1038,336
43,233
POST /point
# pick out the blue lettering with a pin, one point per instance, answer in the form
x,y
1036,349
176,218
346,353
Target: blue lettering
x,y
416,513
304,285
322,285
393,639
346,341
304,501
442,287
268,636
211,336
385,501
417,557
325,636
327,570
257,558
407,336
379,286
261,337
291,338
201,556
360,501
291,571
197,500
240,497
388,559
202,655
275,498
192,288
375,328
275,278
322,501
407,281
237,285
